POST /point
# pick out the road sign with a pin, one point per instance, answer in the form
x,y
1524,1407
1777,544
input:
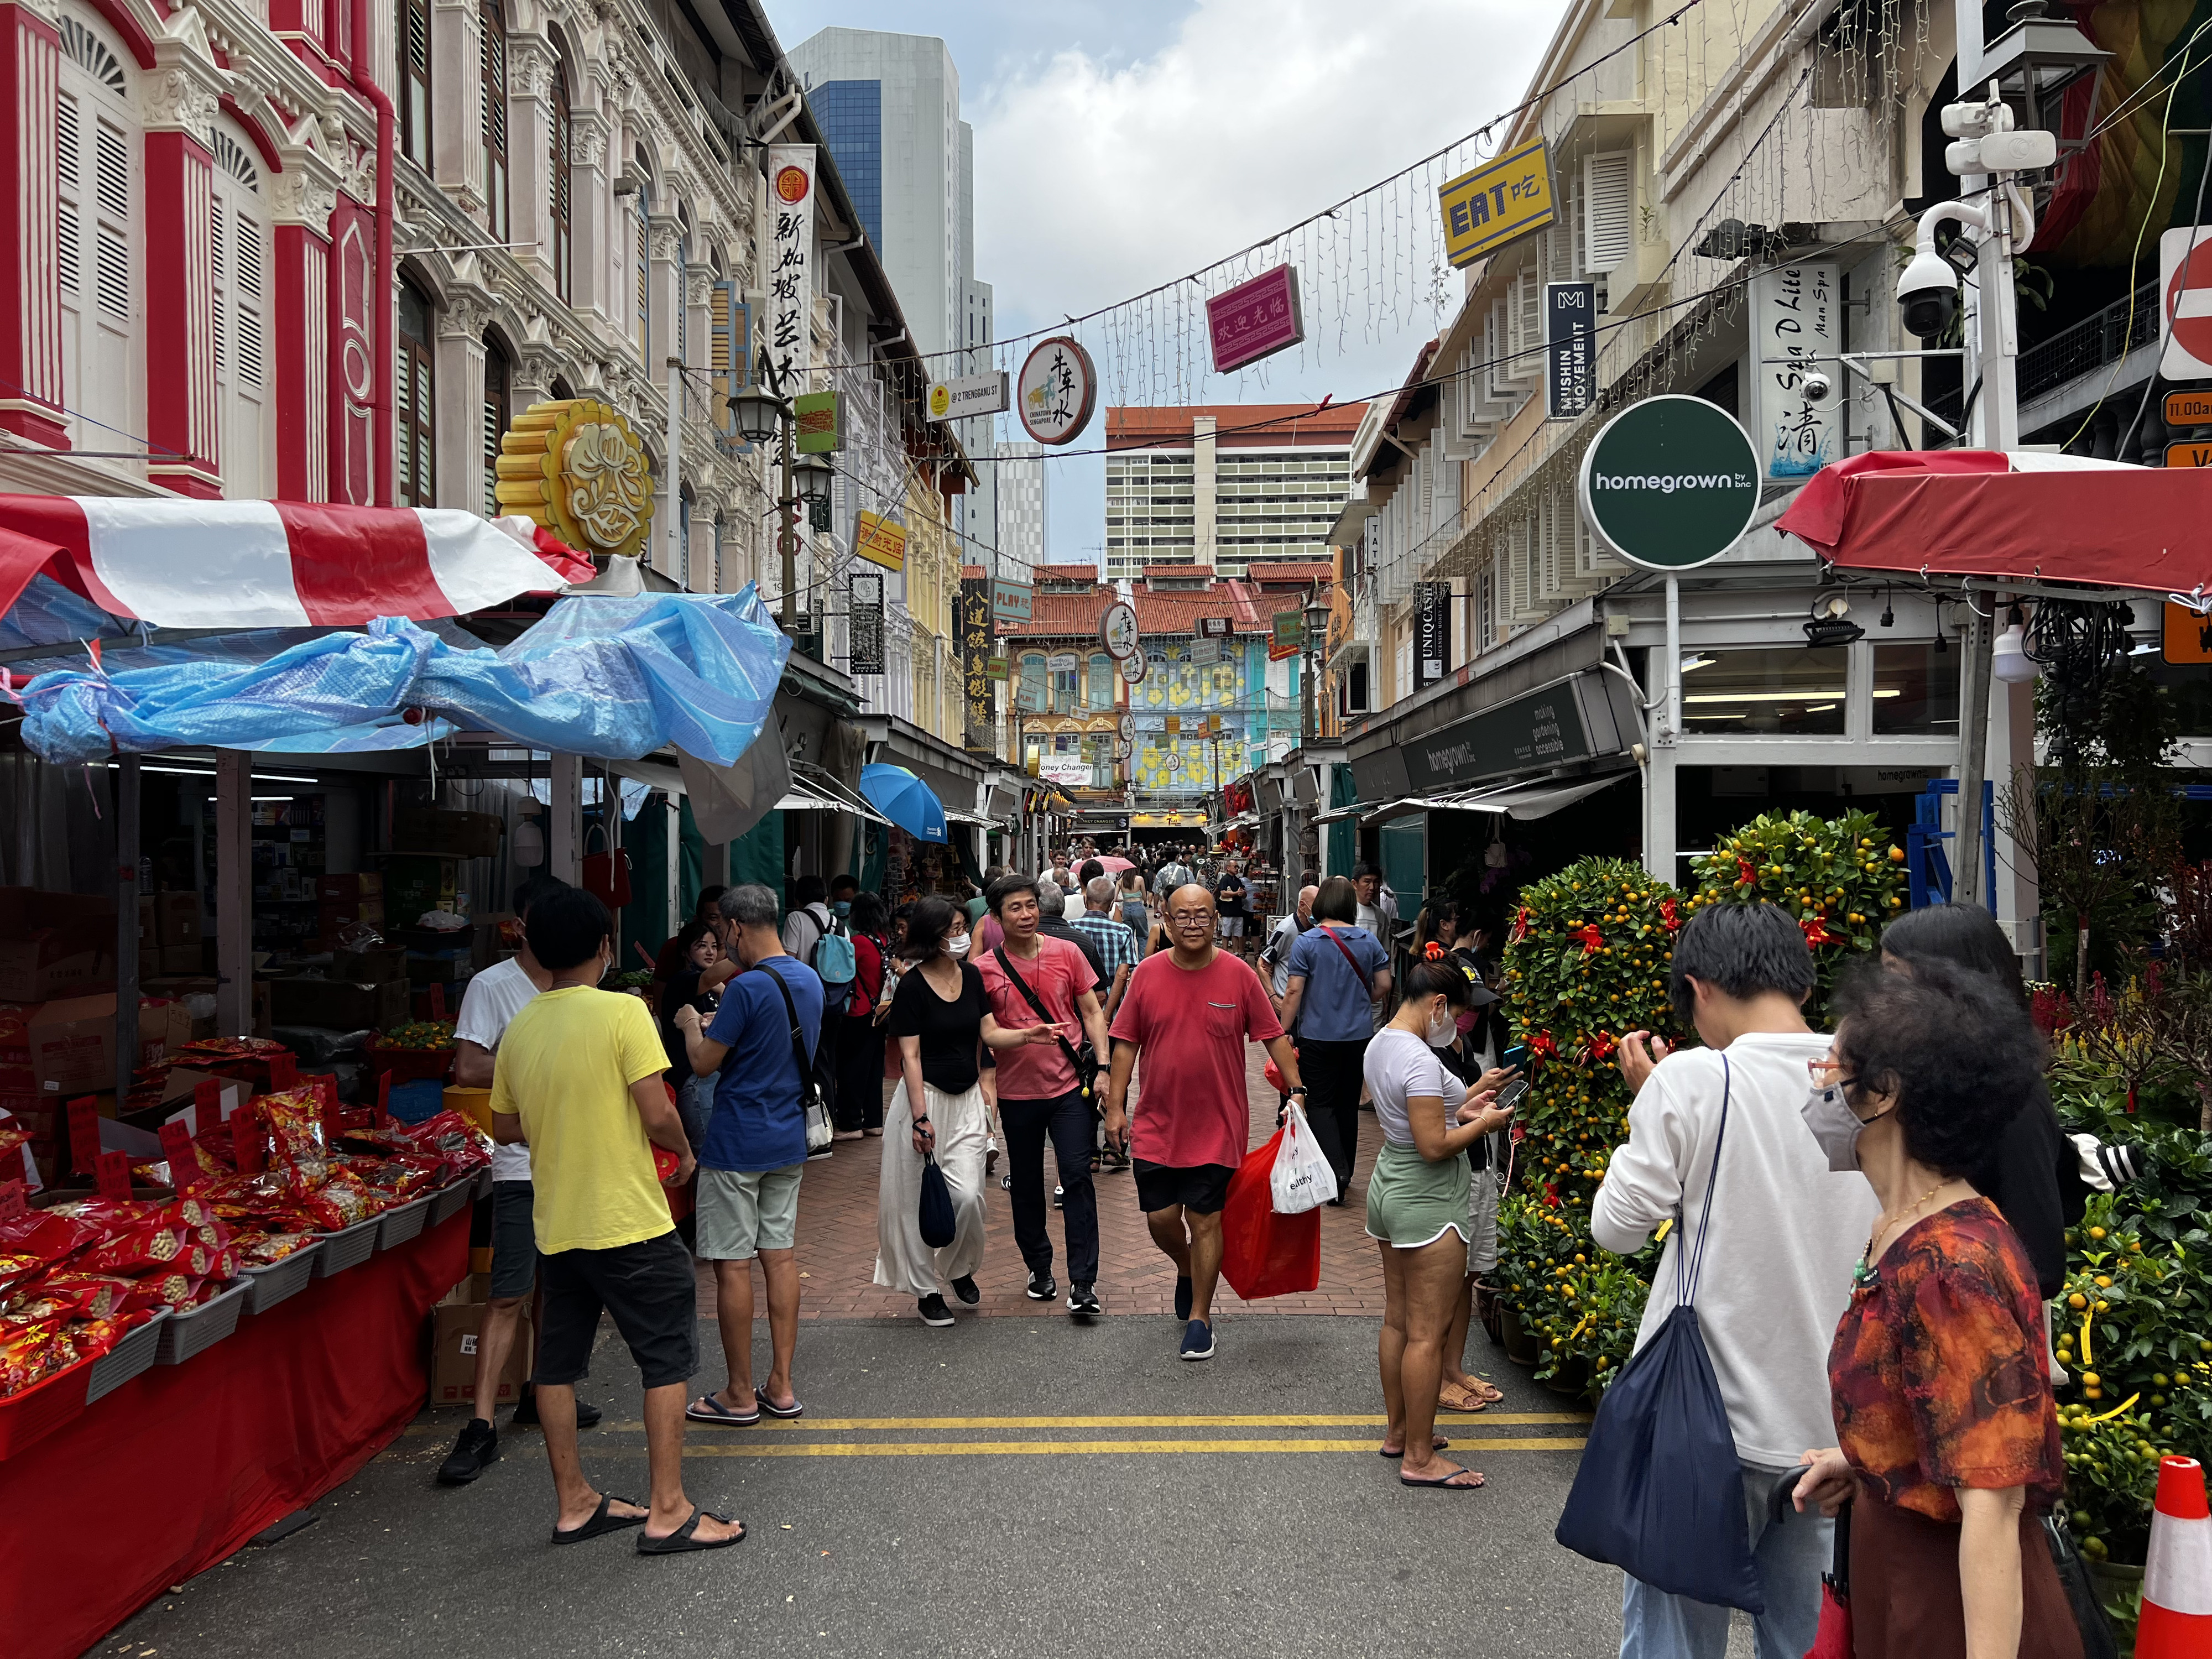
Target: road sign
x,y
1117,629
1497,202
2184,284
2188,636
2189,408
1670,483
969,395
2189,454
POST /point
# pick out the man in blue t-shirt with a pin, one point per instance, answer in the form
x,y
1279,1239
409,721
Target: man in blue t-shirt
x,y
755,1149
1339,975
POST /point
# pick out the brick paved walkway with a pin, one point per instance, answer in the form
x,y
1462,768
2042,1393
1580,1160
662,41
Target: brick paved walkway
x,y
838,1242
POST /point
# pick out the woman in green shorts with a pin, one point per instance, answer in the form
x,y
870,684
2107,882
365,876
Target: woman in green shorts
x,y
1417,1206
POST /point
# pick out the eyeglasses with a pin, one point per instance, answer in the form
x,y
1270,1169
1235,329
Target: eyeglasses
x,y
1190,918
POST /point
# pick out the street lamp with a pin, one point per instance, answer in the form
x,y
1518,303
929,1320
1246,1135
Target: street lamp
x,y
1316,636
761,413
813,476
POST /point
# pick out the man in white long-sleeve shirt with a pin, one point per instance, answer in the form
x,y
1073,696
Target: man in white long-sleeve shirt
x,y
1781,1240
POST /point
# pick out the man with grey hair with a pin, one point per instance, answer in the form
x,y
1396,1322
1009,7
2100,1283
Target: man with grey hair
x,y
1111,941
1051,921
1276,954
755,1151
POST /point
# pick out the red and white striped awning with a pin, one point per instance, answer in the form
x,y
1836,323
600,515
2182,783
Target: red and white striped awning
x,y
273,564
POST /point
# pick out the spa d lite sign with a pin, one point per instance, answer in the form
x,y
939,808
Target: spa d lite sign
x,y
1670,483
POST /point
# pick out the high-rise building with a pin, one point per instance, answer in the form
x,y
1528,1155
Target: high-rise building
x,y
1024,508
1223,485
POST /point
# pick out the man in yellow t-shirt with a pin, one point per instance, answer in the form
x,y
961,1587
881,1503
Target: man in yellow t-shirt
x,y
578,1077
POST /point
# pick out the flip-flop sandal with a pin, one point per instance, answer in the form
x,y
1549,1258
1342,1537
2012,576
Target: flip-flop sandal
x,y
603,1521
1462,1399
686,1538
1450,1482
774,1410
1439,1443
708,1409
1491,1394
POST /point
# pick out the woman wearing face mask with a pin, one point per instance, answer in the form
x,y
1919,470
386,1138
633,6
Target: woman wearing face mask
x,y
1948,1438
941,1019
1419,1208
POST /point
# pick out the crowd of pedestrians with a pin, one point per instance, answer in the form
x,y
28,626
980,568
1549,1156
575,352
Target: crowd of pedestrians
x,y
1881,1208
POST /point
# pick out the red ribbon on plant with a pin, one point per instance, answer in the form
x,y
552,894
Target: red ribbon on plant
x,y
1551,1193
1520,925
1602,1046
1745,875
1816,932
1540,1044
1670,915
1591,939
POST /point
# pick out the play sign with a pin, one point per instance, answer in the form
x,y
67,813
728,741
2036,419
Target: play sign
x,y
2185,281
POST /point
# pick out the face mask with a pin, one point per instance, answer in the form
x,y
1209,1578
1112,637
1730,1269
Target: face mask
x,y
842,908
1443,1029
956,945
1831,1121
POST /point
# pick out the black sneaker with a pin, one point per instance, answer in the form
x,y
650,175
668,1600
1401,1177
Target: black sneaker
x,y
1042,1286
1082,1301
1182,1299
476,1451
933,1311
525,1412
1198,1340
964,1288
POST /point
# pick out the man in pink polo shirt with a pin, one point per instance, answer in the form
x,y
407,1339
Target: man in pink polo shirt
x,y
1190,1011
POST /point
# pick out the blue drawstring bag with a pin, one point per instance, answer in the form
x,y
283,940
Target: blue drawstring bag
x,y
1660,1492
938,1222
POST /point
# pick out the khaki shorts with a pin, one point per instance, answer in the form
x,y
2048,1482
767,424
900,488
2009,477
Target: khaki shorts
x,y
742,1212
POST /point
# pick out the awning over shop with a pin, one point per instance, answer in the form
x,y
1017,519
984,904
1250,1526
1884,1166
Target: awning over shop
x,y
976,820
2021,516
813,790
1521,800
1168,821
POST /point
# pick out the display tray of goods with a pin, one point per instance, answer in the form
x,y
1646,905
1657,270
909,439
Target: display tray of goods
x,y
421,1051
237,1219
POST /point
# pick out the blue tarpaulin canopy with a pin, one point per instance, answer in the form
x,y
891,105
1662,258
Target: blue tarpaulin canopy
x,y
905,799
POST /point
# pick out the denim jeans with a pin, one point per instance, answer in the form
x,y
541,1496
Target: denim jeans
x,y
1790,1557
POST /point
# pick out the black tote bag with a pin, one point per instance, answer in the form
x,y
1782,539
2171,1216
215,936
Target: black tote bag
x,y
938,1222
1660,1492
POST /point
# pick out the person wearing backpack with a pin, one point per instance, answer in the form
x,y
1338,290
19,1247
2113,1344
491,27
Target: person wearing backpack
x,y
809,919
852,999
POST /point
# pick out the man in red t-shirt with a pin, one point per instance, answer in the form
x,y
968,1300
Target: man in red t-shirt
x,y
1039,1092
1191,1010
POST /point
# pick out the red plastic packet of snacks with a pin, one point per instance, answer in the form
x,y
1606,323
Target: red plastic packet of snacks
x,y
153,1292
104,1294
266,1250
31,1353
142,1247
48,1235
295,1118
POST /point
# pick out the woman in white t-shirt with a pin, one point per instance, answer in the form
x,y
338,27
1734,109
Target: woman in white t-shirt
x,y
1419,1208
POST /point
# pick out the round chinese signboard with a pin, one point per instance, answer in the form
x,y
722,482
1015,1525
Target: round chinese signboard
x,y
1670,483
1117,629
577,467
1132,669
1057,391
792,184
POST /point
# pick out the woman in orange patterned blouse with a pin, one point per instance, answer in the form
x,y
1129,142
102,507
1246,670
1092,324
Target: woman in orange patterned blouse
x,y
1948,1438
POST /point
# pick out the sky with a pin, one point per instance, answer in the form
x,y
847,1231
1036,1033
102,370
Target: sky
x,y
1121,145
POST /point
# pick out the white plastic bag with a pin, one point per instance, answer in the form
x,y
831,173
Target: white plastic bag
x,y
1302,1179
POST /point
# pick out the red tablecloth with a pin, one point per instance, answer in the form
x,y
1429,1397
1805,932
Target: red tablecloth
x,y
176,1469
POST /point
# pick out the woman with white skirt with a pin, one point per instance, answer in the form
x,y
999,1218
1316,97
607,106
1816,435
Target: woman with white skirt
x,y
941,1019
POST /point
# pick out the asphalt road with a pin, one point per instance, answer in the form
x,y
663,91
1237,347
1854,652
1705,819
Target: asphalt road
x,y
1041,1535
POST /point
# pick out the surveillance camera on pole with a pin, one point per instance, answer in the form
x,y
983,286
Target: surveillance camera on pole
x,y
1985,144
1816,387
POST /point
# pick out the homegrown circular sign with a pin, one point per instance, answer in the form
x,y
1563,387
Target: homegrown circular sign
x,y
1669,483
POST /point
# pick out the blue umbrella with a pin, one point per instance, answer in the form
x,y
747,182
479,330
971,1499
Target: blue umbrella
x,y
905,799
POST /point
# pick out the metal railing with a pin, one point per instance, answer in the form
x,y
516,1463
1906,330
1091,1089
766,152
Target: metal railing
x,y
2099,340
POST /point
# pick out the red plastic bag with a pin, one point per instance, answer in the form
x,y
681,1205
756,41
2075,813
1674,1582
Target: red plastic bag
x,y
1264,1254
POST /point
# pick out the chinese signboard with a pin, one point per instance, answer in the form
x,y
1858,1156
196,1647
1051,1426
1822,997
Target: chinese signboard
x,y
589,480
1497,202
1288,636
814,424
1011,601
974,660
879,541
1570,348
1058,389
865,623
1132,669
788,261
1117,629
1794,313
1432,632
1255,320
1670,482
971,394
1214,627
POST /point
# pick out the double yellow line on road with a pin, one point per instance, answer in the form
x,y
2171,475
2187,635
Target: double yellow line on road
x,y
781,1440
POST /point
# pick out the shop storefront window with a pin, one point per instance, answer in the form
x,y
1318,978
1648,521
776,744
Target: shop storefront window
x,y
1916,690
1787,692
1100,693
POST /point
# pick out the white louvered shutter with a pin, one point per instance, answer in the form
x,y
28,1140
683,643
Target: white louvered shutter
x,y
1608,208
110,161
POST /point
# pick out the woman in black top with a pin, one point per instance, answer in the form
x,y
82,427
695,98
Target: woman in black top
x,y
697,950
941,1020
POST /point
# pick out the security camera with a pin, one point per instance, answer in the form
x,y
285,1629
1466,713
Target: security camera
x,y
1928,295
1817,387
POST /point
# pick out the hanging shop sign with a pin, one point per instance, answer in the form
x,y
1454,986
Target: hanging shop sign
x,y
1287,635
879,541
1795,311
1570,721
1432,632
969,395
1070,771
1128,728
974,660
1132,669
576,466
1215,628
1205,653
2189,454
2185,278
865,623
814,426
1058,389
1011,602
2189,408
788,264
1117,629
1669,483
1062,662
1497,203
1255,320
1570,349
998,669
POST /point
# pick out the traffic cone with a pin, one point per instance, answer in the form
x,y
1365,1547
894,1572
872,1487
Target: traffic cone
x,y
2177,1593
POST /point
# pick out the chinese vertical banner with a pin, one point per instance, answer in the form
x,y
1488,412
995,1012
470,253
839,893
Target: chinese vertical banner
x,y
786,269
975,661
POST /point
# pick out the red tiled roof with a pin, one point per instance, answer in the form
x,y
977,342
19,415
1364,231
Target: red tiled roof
x,y
1175,572
1064,572
1061,615
1077,616
1245,426
1290,570
973,573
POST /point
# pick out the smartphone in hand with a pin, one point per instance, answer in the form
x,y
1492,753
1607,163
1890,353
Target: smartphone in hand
x,y
1516,1058
1510,1097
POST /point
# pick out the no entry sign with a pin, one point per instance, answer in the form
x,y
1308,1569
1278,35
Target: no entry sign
x,y
2184,284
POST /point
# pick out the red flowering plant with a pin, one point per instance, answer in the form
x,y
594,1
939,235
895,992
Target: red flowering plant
x,y
1840,879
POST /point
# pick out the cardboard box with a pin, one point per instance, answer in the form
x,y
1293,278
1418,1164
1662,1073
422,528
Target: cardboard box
x,y
379,966
455,1327
453,834
472,1291
72,1040
54,944
180,961
178,918
349,889
337,1005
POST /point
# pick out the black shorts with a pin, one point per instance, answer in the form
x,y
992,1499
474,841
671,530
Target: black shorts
x,y
513,1241
1204,1187
649,1289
